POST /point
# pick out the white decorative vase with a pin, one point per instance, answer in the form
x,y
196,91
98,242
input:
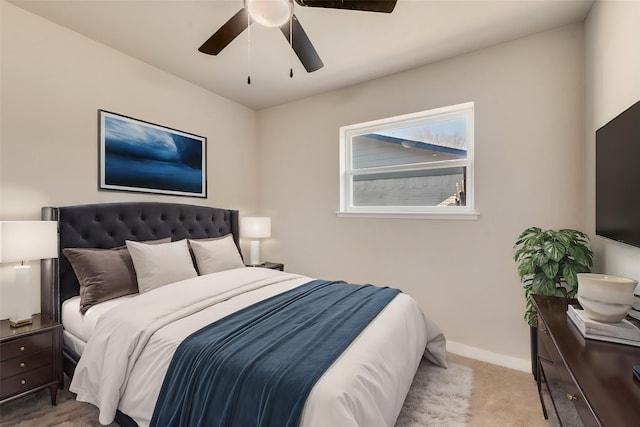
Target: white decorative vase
x,y
605,298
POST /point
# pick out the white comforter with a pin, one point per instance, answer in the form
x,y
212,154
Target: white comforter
x,y
128,354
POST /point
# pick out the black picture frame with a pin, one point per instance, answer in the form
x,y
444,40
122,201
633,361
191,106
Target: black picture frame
x,y
139,156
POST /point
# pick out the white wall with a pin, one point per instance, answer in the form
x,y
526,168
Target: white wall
x,y
612,61
53,83
529,169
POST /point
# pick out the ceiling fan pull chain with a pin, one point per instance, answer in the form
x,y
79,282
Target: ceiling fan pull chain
x,y
249,47
291,45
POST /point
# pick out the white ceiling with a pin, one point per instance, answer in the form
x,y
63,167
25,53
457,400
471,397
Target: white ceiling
x,y
354,46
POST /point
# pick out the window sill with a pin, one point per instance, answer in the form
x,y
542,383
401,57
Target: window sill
x,y
457,216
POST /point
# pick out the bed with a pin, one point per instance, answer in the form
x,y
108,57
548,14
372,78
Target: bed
x,y
364,386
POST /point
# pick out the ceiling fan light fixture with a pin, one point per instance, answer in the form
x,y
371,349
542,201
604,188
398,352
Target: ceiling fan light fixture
x,y
270,13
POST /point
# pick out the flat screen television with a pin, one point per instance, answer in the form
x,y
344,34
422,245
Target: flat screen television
x,y
618,177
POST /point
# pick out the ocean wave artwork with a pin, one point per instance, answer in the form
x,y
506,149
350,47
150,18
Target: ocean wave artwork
x,y
141,156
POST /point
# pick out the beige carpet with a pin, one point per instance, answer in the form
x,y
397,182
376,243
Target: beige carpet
x,y
500,397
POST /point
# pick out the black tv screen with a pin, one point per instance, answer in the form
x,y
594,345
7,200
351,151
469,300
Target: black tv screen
x,y
618,177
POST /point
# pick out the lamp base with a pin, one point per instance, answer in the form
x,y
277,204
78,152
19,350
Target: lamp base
x,y
18,323
255,253
22,314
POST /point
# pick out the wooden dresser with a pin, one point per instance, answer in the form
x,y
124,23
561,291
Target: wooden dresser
x,y
30,358
590,382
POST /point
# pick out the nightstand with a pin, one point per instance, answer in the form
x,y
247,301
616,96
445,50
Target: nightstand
x,y
271,265
30,358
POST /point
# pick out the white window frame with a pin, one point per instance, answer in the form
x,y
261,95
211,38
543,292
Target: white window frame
x,y
465,110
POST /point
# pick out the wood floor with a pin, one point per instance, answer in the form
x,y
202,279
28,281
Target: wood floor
x,y
502,397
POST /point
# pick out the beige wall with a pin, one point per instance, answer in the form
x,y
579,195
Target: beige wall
x,y
612,62
531,158
53,83
529,170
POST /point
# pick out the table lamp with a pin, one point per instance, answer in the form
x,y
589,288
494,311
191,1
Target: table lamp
x,y
255,227
25,241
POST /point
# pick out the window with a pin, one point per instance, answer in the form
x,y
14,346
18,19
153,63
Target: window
x,y
415,165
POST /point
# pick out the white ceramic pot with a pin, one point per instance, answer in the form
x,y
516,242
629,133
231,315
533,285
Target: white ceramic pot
x,y
605,298
603,311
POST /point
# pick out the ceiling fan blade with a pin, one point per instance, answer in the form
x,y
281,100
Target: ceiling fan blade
x,y
385,6
225,34
302,46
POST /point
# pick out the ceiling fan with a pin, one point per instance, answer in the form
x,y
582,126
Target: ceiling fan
x,y
279,13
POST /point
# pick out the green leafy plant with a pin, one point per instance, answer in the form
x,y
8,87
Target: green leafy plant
x,y
548,263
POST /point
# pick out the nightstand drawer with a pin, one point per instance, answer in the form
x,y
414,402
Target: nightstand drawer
x,y
25,382
555,372
26,345
580,404
546,349
568,401
23,364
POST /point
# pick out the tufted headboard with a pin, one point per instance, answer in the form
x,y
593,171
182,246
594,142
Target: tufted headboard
x,y
107,225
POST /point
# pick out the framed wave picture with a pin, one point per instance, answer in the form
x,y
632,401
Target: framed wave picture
x,y
144,157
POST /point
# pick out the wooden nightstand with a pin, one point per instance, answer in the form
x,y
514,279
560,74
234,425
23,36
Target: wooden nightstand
x,y
271,265
30,359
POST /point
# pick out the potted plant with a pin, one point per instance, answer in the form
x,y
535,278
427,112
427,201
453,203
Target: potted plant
x,y
548,261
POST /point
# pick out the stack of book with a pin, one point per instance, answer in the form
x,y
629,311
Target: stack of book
x,y
635,308
624,332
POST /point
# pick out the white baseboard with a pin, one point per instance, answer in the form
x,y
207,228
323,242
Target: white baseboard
x,y
489,356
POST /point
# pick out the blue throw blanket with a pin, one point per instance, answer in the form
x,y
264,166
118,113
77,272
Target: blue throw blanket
x,y
257,366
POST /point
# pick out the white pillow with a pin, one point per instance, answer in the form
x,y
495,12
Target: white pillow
x,y
159,265
214,255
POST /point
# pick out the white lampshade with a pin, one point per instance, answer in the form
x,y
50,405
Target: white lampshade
x,y
25,241
255,227
28,240
270,13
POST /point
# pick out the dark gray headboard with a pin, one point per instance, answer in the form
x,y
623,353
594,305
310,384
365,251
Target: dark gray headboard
x,y
107,225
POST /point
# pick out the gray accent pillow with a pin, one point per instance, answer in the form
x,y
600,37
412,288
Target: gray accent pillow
x,y
104,274
216,254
